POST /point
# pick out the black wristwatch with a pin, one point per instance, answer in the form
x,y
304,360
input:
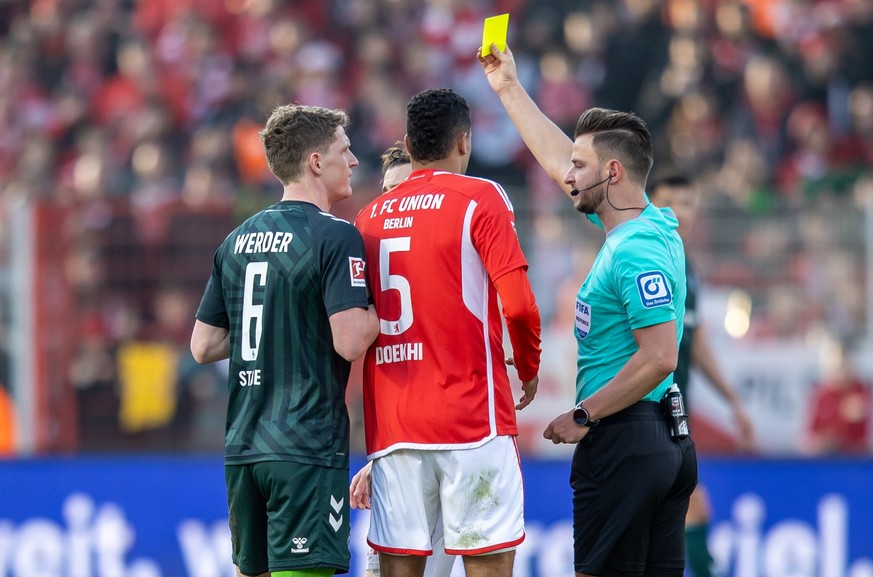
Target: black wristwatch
x,y
582,418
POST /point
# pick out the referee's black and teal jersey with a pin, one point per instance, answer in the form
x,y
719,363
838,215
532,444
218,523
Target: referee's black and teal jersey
x,y
275,281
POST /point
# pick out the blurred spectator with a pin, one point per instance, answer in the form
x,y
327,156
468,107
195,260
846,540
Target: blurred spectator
x,y
819,159
839,409
7,406
760,112
92,375
161,71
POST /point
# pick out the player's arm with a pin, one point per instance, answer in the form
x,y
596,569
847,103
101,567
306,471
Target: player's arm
x,y
209,343
353,323
354,330
523,324
654,360
210,339
704,360
546,141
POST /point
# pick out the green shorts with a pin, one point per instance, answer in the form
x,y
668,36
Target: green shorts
x,y
288,516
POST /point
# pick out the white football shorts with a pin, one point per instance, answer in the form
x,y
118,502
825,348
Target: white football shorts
x,y
479,493
439,564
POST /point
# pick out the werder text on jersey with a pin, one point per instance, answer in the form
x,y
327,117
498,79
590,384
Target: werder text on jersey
x,y
252,242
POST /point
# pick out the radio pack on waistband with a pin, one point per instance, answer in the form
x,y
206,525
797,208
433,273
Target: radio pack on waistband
x,y
674,410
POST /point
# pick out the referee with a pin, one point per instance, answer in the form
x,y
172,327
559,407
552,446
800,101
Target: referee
x,y
631,478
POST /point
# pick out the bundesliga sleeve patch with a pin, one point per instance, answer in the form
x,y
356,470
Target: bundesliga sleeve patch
x,y
357,267
654,290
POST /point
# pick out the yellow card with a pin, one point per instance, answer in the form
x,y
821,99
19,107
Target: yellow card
x,y
494,32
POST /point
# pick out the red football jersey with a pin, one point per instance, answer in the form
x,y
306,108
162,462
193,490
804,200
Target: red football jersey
x,y
435,378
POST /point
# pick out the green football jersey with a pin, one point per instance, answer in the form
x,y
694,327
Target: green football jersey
x,y
637,280
682,374
275,281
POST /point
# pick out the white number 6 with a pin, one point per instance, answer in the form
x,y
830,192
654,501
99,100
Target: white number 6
x,y
256,272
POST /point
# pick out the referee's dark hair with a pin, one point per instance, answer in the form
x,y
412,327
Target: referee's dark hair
x,y
623,135
434,120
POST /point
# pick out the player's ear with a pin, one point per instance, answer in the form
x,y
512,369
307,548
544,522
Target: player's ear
x,y
315,163
464,144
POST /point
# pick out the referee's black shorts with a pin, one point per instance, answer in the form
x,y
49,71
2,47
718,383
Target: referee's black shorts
x,y
631,483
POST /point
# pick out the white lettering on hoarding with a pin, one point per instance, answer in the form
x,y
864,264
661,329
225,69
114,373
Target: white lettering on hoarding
x,y
93,543
790,548
206,551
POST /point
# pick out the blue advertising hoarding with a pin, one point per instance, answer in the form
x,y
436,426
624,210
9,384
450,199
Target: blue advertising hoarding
x,y
167,517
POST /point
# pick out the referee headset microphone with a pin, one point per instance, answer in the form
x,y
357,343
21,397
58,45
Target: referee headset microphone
x,y
607,180
576,191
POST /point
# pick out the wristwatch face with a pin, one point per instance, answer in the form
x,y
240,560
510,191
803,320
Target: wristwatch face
x,y
580,415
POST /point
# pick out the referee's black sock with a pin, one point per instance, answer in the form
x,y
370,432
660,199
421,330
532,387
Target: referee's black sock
x,y
700,562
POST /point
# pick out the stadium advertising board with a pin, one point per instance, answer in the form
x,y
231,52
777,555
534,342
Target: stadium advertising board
x,y
166,517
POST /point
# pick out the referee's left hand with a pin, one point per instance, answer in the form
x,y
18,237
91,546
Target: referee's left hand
x,y
563,429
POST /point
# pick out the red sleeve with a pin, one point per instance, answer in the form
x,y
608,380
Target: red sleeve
x,y
522,321
493,230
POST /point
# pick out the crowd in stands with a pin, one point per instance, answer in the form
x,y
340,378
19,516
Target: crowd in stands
x,y
141,119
